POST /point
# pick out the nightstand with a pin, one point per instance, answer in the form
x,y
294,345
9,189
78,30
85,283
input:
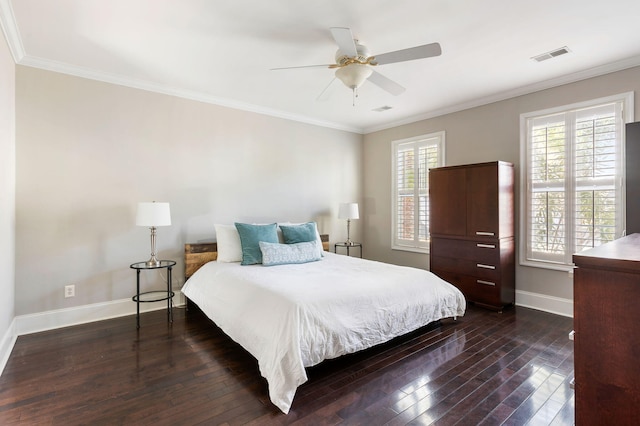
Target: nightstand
x,y
348,247
154,295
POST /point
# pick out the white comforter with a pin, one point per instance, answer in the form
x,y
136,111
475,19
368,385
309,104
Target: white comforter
x,y
294,316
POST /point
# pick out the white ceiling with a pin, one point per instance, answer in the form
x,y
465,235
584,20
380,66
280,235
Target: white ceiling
x,y
221,51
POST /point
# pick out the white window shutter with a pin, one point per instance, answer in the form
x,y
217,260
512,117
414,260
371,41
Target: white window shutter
x,y
573,164
412,159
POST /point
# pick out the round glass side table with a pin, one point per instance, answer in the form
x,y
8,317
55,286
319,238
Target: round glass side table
x,y
348,247
153,295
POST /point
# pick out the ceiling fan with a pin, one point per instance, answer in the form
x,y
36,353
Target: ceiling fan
x,y
354,65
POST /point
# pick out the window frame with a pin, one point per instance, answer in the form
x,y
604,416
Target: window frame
x,y
626,99
431,139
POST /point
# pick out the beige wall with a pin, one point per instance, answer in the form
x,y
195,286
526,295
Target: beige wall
x,y
88,152
7,189
485,133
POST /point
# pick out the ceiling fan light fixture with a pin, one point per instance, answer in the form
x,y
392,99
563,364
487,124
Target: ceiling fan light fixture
x,y
353,75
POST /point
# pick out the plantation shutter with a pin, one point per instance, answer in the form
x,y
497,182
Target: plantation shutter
x,y
574,164
412,161
598,164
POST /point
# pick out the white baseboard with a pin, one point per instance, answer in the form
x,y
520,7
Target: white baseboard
x,y
6,344
542,302
49,320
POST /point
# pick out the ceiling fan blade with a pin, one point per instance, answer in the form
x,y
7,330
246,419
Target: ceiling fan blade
x,y
386,84
326,93
303,66
344,40
418,52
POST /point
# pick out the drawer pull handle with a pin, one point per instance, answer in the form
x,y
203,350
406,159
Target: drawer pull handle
x,y
572,335
491,246
485,282
572,383
489,234
483,266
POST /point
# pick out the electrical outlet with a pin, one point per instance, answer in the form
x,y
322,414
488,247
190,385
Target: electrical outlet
x,y
69,290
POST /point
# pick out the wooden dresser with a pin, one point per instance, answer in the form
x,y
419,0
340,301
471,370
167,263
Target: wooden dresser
x,y
472,230
606,292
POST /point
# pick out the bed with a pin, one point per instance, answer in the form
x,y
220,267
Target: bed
x,y
295,315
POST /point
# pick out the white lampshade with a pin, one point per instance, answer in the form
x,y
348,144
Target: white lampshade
x,y
348,211
153,214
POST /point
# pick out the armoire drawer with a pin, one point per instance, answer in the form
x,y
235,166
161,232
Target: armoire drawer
x,y
482,270
474,289
481,251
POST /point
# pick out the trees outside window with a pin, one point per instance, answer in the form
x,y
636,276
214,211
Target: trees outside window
x,y
573,176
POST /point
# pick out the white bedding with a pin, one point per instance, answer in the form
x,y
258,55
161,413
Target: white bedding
x,y
294,316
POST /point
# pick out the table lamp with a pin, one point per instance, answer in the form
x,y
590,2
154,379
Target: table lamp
x,y
152,215
348,211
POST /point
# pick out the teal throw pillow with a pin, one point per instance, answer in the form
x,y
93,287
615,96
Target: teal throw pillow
x,y
303,233
250,236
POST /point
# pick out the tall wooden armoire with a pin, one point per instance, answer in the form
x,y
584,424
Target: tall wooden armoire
x,y
472,230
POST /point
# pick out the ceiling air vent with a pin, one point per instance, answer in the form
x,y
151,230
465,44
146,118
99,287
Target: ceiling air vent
x,y
382,108
543,57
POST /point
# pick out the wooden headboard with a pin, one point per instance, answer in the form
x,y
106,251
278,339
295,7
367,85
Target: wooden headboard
x,y
197,254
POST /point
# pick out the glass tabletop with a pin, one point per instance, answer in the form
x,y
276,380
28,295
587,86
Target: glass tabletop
x,y
145,265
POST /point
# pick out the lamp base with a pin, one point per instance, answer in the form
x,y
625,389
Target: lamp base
x,y
348,242
152,262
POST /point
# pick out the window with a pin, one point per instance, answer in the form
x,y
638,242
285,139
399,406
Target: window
x,y
572,175
412,159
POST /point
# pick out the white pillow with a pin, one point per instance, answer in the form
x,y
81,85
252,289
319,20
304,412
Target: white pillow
x,y
229,246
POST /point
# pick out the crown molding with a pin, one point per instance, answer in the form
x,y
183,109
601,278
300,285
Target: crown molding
x,y
92,74
10,30
12,34
623,64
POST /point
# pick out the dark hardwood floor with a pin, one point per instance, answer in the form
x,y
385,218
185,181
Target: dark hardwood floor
x,y
485,368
